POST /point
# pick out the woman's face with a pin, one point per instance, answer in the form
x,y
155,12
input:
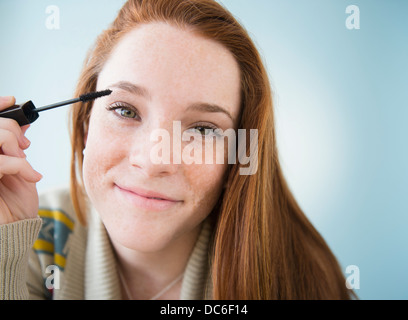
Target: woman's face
x,y
159,74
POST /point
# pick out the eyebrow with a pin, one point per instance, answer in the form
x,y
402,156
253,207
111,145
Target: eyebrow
x,y
208,107
131,88
198,106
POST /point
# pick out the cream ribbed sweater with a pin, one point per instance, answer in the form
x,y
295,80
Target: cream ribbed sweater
x,y
84,256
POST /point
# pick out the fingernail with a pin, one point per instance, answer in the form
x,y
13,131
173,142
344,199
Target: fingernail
x,y
39,175
25,142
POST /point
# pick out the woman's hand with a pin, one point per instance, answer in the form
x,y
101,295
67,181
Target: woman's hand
x,y
18,193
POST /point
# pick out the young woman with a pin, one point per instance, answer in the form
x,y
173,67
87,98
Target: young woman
x,y
134,228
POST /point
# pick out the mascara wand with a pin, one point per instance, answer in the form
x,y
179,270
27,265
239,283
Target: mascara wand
x,y
27,113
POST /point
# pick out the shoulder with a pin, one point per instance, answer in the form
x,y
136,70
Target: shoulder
x,y
61,243
57,199
58,216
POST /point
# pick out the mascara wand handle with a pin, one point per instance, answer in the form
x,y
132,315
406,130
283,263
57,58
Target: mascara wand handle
x,y
23,114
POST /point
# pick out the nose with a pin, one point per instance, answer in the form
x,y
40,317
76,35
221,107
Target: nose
x,y
152,150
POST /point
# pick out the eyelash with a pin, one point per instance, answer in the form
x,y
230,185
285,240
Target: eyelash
x,y
214,129
120,105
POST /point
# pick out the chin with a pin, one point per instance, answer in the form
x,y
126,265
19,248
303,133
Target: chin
x,y
139,236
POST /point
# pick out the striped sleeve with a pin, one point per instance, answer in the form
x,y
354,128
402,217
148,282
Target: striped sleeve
x,y
16,241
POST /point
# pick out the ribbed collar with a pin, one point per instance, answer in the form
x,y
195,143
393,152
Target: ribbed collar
x,y
101,276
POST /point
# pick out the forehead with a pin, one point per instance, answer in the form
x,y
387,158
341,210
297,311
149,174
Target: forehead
x,y
169,60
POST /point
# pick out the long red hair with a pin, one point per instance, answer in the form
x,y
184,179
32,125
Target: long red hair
x,y
263,245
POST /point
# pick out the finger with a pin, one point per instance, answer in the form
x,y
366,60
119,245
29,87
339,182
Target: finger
x,y
25,143
24,128
12,166
6,102
13,126
9,144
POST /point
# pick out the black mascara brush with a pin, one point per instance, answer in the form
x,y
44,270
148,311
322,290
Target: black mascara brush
x,y
27,113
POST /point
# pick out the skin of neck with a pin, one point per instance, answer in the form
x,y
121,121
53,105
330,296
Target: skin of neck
x,y
147,273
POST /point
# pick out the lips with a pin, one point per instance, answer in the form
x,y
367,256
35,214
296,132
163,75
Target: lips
x,y
146,199
148,194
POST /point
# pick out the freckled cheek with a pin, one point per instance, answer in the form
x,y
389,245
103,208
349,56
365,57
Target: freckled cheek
x,y
219,151
206,183
102,153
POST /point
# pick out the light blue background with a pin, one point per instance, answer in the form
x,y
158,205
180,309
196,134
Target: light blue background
x,y
340,101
